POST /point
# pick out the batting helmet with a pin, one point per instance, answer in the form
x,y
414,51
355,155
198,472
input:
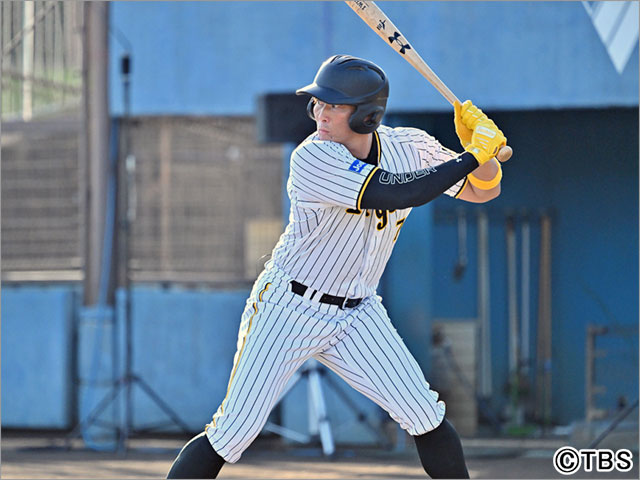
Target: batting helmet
x,y
347,80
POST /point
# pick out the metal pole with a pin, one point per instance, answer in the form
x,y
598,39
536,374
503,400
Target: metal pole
x,y
526,273
484,365
543,383
614,423
96,119
512,295
27,59
514,350
321,420
591,389
126,175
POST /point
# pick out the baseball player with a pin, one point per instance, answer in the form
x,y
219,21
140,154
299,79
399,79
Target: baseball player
x,y
352,185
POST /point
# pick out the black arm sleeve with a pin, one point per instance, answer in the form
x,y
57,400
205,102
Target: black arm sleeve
x,y
390,191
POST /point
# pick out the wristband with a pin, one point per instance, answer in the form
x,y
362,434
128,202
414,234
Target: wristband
x,y
486,184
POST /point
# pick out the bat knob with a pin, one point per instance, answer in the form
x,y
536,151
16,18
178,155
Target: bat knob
x,y
505,153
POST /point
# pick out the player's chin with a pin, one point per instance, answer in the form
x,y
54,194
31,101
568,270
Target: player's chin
x,y
323,135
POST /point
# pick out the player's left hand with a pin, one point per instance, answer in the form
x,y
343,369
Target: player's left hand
x,y
470,115
464,133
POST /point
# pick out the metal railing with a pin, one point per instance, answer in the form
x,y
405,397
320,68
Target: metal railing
x,y
208,200
41,45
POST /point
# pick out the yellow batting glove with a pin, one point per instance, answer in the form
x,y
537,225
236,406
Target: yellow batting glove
x,y
486,140
471,115
464,133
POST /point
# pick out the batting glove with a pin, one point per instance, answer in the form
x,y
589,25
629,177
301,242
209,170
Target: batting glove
x,y
486,141
471,115
464,132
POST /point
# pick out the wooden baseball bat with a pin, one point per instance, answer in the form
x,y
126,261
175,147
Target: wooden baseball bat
x,y
384,27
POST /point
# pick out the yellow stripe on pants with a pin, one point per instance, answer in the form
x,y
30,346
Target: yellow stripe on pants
x,y
235,367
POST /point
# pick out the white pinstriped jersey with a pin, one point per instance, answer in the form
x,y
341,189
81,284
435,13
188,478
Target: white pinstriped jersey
x,y
334,247
330,244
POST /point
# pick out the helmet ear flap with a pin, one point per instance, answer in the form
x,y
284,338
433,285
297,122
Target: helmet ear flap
x,y
366,118
373,119
310,109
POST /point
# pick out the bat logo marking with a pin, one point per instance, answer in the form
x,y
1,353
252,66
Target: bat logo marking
x,y
362,5
403,46
381,24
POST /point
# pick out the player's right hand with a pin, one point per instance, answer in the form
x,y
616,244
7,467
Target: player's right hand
x,y
486,141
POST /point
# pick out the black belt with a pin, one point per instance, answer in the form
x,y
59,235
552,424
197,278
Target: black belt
x,y
342,302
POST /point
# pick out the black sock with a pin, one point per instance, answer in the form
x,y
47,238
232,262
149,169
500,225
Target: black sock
x,y
441,453
197,459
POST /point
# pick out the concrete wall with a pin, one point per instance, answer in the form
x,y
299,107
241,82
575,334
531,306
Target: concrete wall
x,y
216,57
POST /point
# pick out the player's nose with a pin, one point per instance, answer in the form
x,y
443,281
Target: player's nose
x,y
321,112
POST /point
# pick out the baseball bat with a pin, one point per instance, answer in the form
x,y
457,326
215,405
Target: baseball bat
x,y
373,16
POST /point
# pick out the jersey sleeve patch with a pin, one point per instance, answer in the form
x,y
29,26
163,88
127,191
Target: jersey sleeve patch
x,y
357,166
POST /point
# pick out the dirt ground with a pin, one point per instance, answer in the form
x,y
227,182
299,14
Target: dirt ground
x,y
49,456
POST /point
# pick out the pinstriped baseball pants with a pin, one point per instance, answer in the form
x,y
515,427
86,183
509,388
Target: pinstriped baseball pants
x,y
280,330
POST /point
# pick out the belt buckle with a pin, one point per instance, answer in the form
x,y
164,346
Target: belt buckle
x,y
344,303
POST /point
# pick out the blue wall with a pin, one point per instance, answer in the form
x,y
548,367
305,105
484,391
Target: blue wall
x,y
37,356
186,341
581,166
217,57
183,346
